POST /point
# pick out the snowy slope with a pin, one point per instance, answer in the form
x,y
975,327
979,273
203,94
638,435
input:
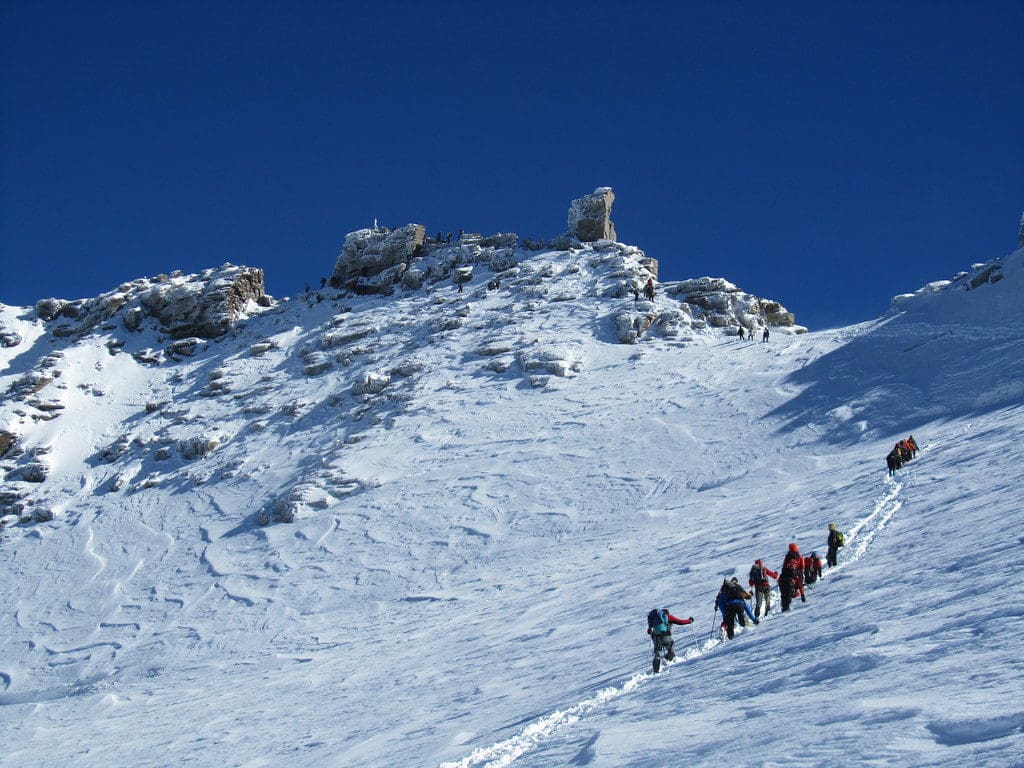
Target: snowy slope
x,y
472,557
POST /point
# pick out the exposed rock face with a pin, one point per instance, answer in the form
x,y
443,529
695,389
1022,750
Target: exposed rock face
x,y
590,216
368,252
7,441
206,305
197,447
205,308
10,338
722,305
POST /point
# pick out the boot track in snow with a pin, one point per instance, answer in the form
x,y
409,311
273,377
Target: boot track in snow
x,y
504,753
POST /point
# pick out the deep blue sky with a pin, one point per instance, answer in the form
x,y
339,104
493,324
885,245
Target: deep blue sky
x,y
828,155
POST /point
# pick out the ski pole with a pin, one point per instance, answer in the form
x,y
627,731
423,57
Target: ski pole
x,y
714,620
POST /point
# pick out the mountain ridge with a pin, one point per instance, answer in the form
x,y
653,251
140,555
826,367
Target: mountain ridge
x,y
485,495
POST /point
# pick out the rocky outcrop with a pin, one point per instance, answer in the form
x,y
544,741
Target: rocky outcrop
x,y
8,441
723,305
197,447
590,216
10,338
206,307
369,252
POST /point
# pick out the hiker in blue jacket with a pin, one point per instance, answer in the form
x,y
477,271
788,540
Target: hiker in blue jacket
x,y
659,627
732,602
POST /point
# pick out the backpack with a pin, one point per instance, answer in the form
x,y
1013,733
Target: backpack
x,y
840,539
737,592
657,621
757,575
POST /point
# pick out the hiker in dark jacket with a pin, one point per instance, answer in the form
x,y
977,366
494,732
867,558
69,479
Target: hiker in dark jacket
x,y
835,540
758,580
791,577
764,336
812,568
659,627
913,446
892,463
732,602
649,289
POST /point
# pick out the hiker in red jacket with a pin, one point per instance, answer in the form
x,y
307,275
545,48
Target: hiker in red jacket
x,y
791,579
659,627
758,581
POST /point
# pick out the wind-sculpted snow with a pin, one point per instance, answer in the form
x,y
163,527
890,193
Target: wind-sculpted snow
x,y
939,353
506,752
470,558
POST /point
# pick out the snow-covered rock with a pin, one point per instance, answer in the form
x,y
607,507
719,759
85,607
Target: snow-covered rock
x,y
590,216
371,382
206,307
368,252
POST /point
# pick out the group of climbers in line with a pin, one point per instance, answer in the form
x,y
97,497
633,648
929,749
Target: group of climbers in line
x,y
902,452
731,600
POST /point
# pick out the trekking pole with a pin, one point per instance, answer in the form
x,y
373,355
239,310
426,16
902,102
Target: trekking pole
x,y
714,620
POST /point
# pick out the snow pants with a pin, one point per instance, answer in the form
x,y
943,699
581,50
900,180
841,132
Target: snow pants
x,y
789,589
664,645
732,613
763,596
832,557
729,617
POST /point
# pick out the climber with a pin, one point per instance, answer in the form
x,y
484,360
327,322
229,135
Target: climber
x,y
764,336
892,462
836,539
758,580
791,578
659,627
649,289
913,446
732,602
812,568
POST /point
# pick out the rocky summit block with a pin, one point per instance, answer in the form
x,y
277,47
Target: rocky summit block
x,y
368,252
590,216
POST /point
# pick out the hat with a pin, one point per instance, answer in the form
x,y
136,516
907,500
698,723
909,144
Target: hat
x,y
793,547
831,526
758,562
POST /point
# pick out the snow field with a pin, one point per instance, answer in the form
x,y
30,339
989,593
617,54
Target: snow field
x,y
467,580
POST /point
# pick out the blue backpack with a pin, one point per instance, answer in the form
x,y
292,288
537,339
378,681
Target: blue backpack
x,y
657,621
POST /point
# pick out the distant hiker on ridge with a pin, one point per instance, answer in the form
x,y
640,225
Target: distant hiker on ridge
x,y
732,602
758,580
764,336
659,627
649,289
836,539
